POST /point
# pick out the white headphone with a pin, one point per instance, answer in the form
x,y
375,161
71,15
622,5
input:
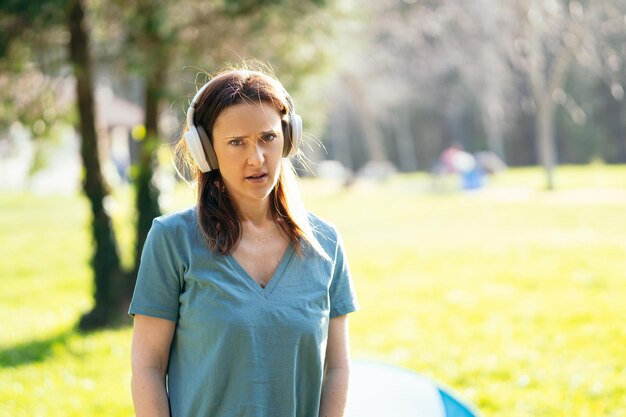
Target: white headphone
x,y
200,146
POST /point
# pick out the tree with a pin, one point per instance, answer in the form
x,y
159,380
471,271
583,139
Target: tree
x,y
105,260
43,16
550,35
154,47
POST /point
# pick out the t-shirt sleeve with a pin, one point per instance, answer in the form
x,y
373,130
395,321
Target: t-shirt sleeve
x,y
159,278
342,295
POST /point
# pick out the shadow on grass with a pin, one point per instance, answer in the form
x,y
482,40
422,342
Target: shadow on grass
x,y
39,350
34,350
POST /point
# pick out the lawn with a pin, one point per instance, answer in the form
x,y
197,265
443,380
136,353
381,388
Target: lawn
x,y
512,295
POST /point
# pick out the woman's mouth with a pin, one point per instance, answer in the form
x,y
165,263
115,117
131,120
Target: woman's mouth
x,y
260,177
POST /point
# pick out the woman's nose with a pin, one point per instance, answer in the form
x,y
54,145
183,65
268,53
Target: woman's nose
x,y
256,156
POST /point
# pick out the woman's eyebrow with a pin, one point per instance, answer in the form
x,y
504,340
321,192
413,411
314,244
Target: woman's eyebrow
x,y
265,132
269,132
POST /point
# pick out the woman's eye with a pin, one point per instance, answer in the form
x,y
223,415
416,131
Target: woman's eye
x,y
236,142
269,137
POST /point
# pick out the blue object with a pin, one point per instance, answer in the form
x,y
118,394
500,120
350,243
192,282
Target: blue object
x,y
379,390
473,179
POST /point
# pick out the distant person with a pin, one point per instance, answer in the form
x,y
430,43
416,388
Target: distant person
x,y
241,302
453,161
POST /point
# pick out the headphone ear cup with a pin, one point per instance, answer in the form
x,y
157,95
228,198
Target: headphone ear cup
x,y
211,157
194,144
295,136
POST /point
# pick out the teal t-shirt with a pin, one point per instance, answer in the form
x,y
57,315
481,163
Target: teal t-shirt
x,y
240,350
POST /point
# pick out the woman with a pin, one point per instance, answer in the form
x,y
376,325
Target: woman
x,y
241,301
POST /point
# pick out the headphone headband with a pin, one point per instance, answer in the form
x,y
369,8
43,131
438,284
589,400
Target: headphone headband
x,y
194,102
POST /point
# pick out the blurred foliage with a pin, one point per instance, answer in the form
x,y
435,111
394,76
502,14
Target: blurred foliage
x,y
20,19
292,38
32,67
427,74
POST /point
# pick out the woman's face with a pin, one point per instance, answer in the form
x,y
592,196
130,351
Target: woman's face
x,y
248,141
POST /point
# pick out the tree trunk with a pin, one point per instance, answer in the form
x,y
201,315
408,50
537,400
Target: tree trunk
x,y
544,110
494,138
147,194
407,157
492,123
105,259
371,131
545,139
619,133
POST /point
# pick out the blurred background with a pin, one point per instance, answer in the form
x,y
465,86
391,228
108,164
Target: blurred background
x,y
472,153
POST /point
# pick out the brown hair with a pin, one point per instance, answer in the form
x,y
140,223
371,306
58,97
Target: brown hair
x,y
217,212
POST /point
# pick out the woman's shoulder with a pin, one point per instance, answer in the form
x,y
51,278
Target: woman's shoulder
x,y
322,228
179,220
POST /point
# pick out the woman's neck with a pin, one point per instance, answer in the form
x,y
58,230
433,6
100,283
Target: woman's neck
x,y
257,213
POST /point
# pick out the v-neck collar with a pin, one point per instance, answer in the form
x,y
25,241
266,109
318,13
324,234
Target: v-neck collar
x,y
274,279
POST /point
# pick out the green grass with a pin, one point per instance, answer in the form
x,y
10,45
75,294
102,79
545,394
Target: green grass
x,y
511,295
